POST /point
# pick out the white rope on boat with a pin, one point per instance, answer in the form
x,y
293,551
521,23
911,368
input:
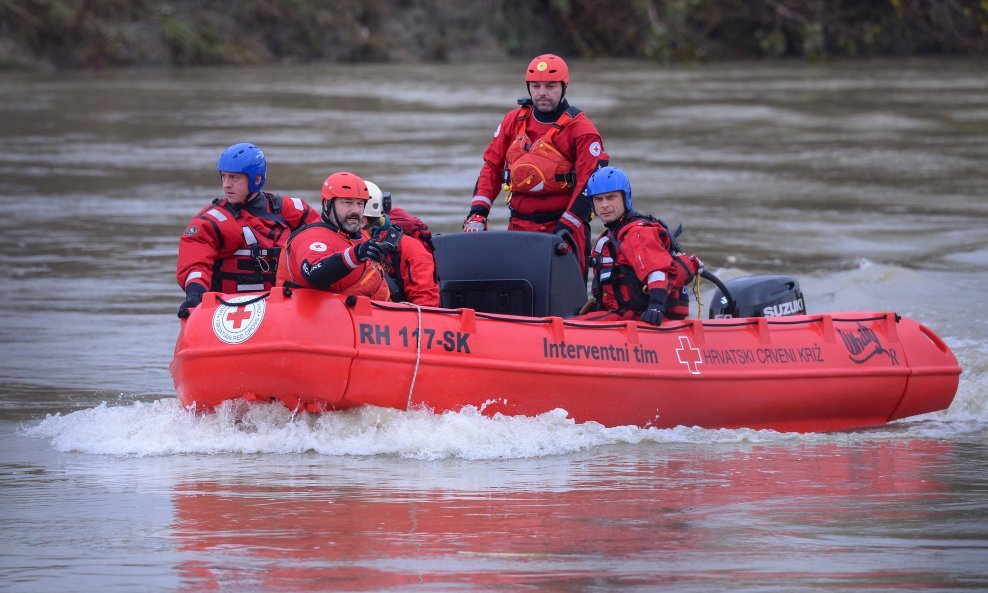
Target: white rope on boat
x,y
418,357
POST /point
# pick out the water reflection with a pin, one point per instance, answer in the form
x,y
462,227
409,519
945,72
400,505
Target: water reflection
x,y
701,518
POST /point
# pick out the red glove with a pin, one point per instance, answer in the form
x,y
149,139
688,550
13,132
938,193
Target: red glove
x,y
475,223
690,264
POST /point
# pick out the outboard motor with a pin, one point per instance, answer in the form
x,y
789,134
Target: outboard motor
x,y
758,296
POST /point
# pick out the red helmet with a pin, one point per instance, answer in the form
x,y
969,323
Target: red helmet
x,y
547,68
344,185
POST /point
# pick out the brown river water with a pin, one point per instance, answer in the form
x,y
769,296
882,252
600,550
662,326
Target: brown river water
x,y
865,180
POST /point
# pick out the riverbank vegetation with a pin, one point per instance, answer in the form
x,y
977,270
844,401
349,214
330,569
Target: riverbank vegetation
x,y
67,34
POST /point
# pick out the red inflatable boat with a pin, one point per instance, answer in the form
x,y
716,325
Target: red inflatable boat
x,y
316,352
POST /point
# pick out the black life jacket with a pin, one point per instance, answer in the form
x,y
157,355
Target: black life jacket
x,y
628,290
252,267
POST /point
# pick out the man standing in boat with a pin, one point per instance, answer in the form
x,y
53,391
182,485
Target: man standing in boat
x,y
233,244
335,254
639,271
411,267
542,154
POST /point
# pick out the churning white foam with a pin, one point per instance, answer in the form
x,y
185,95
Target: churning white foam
x,y
163,427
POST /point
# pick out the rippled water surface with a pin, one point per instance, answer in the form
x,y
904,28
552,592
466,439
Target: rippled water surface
x,y
865,180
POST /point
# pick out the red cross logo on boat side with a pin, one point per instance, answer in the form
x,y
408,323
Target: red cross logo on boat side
x,y
236,320
689,355
239,316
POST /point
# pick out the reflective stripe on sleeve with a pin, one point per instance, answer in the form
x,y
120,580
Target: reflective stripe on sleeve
x,y
298,204
192,276
350,259
217,214
482,201
576,221
656,276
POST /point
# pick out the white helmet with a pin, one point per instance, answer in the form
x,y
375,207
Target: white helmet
x,y
374,208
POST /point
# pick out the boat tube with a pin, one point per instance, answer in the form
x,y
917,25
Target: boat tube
x,y
502,344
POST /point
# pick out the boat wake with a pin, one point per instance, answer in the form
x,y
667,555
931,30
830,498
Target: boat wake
x,y
164,428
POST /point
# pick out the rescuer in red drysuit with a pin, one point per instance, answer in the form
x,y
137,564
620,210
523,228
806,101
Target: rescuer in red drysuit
x,y
233,244
335,254
411,268
638,270
542,154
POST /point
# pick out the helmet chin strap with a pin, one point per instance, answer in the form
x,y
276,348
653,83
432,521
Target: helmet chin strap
x,y
336,219
330,215
336,216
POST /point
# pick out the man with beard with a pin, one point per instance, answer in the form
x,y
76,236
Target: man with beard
x,y
335,254
542,153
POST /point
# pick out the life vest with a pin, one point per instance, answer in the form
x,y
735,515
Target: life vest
x,y
619,281
370,282
251,267
539,167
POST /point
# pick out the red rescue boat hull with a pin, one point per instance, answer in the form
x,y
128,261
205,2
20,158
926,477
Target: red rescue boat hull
x,y
313,352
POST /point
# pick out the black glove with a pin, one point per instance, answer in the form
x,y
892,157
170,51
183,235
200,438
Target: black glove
x,y
656,309
370,249
193,296
389,241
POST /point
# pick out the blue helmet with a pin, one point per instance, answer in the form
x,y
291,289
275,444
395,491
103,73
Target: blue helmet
x,y
245,158
608,179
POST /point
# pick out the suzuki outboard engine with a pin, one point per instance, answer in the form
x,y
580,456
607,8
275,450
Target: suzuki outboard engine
x,y
758,296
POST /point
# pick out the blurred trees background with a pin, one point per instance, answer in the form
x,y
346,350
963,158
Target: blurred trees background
x,y
57,34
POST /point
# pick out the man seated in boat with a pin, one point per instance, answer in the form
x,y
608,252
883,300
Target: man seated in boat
x,y
335,254
233,244
639,271
411,267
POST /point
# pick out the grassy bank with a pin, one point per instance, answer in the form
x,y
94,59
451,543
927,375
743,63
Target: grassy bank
x,y
65,34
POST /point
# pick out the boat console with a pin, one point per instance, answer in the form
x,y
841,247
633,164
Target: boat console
x,y
509,272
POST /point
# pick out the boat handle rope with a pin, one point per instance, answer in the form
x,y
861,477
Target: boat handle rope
x,y
698,296
244,303
351,300
418,357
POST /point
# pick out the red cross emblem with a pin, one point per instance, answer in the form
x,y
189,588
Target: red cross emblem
x,y
239,316
238,319
689,355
